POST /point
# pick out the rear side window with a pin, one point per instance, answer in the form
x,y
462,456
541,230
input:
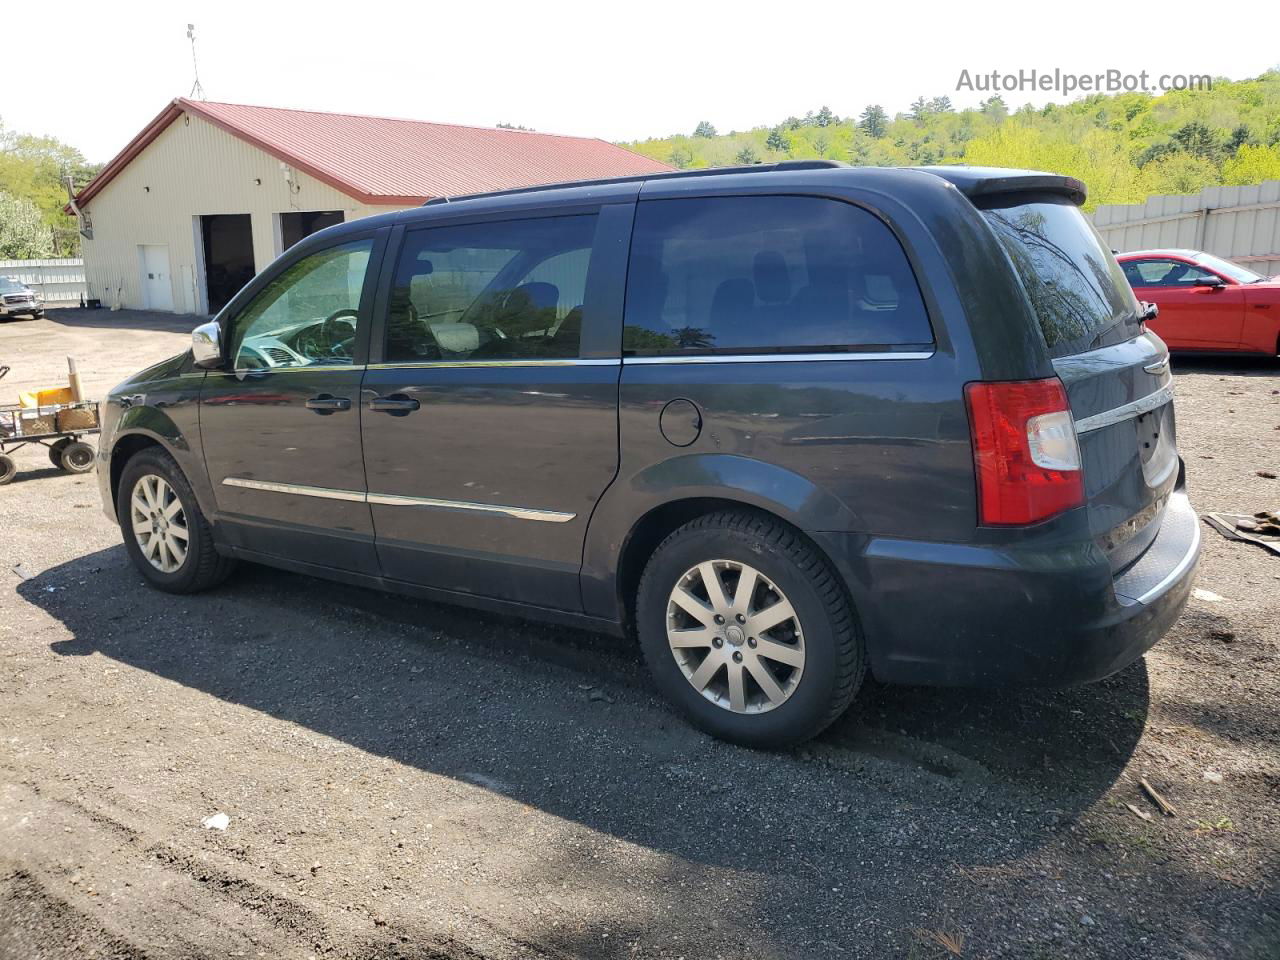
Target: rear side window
x,y
767,275
483,291
1077,290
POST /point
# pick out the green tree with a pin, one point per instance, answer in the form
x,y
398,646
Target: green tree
x,y
1177,173
1240,136
680,157
704,129
1252,164
1198,140
746,156
825,118
32,168
919,110
874,121
24,235
777,140
994,107
941,105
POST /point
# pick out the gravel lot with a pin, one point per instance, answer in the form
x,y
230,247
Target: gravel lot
x,y
415,781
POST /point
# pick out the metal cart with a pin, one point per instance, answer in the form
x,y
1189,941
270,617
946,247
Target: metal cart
x,y
58,426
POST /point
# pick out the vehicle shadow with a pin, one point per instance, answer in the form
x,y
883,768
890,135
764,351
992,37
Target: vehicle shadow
x,y
35,473
565,721
1183,363
107,320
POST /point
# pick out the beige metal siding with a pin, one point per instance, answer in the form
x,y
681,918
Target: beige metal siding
x,y
1239,223
193,168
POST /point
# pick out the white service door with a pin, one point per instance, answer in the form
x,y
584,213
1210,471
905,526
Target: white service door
x,y
157,285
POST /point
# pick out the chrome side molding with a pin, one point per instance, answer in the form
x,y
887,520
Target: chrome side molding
x,y
1126,411
780,357
394,500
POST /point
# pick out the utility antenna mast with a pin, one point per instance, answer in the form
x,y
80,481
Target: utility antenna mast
x,y
197,89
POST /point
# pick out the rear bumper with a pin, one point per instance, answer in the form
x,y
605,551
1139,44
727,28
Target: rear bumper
x,y
967,615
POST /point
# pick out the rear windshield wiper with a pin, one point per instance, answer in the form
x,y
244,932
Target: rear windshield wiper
x,y
1098,337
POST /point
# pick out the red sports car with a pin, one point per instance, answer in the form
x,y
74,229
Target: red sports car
x,y
1206,303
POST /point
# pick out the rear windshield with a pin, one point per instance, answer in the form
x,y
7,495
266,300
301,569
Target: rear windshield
x,y
1077,289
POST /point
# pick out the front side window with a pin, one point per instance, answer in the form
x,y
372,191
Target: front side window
x,y
767,275
308,315
1164,273
491,291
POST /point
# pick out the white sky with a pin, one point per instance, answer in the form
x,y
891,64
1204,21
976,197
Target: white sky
x,y
594,69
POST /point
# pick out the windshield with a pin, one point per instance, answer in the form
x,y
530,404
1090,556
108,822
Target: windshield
x,y
1228,269
1076,287
9,285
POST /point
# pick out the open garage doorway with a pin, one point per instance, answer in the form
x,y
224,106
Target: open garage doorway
x,y
296,225
228,256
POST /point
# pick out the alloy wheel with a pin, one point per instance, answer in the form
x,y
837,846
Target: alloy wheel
x,y
159,523
735,636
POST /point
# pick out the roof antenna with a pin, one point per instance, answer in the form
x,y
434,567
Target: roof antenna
x,y
197,89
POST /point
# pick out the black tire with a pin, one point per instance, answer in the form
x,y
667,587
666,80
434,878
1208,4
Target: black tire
x,y
203,567
835,656
8,469
55,451
77,457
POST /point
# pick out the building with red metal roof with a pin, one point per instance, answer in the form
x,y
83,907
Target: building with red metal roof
x,y
207,194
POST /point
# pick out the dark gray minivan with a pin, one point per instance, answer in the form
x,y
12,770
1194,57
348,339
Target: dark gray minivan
x,y
787,424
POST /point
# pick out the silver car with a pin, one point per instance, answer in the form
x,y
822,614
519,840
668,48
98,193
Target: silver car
x,y
16,299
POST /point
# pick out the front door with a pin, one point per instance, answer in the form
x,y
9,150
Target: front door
x,y
281,428
490,427
1192,316
157,285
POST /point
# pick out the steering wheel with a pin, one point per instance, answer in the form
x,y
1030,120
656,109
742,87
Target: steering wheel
x,y
338,343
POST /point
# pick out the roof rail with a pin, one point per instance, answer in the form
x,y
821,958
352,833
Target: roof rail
x,y
674,174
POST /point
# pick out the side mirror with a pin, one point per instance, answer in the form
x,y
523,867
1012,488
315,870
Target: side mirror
x,y
1147,311
1210,282
206,346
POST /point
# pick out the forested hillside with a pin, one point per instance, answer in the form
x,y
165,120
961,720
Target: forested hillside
x,y
1125,147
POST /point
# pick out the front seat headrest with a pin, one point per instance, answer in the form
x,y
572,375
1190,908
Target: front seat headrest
x,y
773,282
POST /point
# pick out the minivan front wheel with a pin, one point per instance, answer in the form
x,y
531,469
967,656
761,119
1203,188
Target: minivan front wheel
x,y
748,631
165,532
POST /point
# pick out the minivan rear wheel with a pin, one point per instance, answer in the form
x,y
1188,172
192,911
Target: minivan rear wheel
x,y
165,533
747,629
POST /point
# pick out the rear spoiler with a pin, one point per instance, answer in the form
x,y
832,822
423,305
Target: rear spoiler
x,y
976,182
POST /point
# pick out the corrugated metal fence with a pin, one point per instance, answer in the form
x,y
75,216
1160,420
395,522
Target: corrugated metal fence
x,y
58,281
1239,223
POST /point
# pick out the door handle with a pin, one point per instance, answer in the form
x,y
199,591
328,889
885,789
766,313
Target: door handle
x,y
396,404
326,404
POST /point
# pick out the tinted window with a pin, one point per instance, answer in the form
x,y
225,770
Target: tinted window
x,y
307,315
1164,273
482,291
1076,287
767,274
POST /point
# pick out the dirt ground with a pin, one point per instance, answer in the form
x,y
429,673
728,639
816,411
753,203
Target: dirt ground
x,y
405,780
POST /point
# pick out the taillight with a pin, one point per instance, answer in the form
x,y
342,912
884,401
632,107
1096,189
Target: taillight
x,y
1025,452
